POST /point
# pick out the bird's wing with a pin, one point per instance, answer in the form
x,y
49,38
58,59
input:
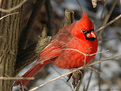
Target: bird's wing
x,y
60,41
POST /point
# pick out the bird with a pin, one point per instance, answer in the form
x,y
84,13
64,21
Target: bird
x,y
67,48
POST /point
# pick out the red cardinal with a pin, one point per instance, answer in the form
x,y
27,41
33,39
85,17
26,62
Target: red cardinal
x,y
78,36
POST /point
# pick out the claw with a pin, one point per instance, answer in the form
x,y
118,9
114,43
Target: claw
x,y
69,76
76,76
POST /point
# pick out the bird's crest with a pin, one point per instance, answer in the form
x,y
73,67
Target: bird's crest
x,y
85,23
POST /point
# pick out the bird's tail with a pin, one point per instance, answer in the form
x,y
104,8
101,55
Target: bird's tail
x,y
31,72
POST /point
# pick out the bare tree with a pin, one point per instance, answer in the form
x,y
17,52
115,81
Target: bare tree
x,y
9,30
14,56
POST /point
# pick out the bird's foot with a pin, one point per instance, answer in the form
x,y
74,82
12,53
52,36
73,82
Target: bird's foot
x,y
76,76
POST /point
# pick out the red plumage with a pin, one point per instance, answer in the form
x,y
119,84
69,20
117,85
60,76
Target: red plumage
x,y
64,49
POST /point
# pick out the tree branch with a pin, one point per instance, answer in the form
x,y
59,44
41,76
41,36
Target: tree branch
x,y
14,8
9,27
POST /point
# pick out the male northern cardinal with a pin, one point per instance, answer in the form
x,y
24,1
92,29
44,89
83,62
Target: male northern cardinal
x,y
78,36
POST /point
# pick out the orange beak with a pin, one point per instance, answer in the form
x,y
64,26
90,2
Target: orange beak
x,y
91,35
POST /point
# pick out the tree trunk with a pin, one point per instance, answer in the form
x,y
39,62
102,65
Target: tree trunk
x,y
9,29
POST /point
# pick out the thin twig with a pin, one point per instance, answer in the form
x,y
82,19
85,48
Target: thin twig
x,y
110,12
94,69
108,16
8,15
112,21
54,79
83,67
89,81
84,53
64,77
99,35
109,58
104,77
16,78
79,4
14,8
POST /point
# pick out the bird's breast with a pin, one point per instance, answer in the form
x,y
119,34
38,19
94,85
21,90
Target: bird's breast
x,y
76,53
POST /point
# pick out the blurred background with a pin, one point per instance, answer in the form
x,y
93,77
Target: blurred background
x,y
51,15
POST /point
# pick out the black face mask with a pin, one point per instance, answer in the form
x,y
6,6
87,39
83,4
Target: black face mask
x,y
86,32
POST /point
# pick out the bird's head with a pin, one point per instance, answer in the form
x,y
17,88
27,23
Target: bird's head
x,y
84,28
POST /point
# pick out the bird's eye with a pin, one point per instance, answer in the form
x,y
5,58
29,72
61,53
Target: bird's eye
x,y
92,30
84,31
89,35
